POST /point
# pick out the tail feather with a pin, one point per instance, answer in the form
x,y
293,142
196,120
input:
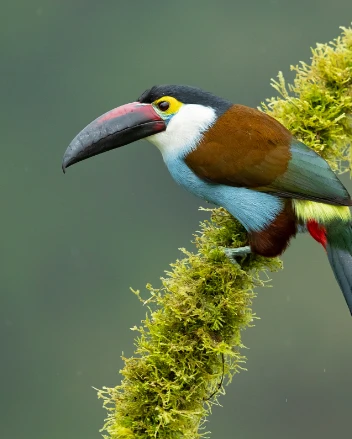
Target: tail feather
x,y
341,264
336,238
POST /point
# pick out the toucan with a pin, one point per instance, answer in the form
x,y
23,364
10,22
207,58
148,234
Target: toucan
x,y
241,159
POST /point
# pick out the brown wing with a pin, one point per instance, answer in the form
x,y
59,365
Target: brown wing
x,y
245,147
248,148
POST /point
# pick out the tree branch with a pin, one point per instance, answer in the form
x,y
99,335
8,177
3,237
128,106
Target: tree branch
x,y
191,336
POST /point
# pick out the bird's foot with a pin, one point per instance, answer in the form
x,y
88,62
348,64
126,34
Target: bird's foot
x,y
235,253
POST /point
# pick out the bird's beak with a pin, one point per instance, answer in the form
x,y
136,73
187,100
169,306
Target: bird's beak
x,y
113,129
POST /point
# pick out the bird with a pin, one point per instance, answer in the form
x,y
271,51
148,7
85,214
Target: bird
x,y
241,159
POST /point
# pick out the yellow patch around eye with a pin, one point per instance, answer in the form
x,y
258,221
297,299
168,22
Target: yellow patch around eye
x,y
175,105
323,213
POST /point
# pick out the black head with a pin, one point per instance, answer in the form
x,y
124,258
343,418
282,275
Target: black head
x,y
134,121
187,95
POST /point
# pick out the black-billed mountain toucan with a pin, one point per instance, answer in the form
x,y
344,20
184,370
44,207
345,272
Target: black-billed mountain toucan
x,y
238,158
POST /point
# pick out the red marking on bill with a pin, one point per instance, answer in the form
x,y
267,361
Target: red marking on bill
x,y
146,110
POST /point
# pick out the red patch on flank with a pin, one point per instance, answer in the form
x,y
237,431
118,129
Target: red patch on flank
x,y
318,232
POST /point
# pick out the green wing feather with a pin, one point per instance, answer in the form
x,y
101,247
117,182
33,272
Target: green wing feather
x,y
309,177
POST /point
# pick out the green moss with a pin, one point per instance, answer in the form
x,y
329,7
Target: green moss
x,y
194,323
317,108
191,336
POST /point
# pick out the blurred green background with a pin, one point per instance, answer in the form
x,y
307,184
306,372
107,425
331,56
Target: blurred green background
x,y
71,246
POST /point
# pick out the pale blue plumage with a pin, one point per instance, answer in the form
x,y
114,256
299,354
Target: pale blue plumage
x,y
254,210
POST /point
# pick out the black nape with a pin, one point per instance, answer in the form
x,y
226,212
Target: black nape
x,y
187,95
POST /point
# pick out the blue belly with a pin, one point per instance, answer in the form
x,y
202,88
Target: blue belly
x,y
255,210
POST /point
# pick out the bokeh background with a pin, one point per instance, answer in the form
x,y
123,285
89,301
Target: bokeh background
x,y
71,246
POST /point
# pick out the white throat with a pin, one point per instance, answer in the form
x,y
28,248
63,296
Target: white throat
x,y
184,130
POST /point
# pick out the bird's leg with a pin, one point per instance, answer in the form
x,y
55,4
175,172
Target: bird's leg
x,y
234,253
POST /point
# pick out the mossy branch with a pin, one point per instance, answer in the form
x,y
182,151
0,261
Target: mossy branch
x,y
317,108
191,336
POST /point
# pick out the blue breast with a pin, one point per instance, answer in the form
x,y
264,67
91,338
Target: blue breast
x,y
255,210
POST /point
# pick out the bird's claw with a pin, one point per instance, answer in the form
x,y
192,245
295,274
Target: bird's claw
x,y
234,253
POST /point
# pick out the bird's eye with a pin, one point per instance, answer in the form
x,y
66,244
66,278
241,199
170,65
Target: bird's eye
x,y
163,105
